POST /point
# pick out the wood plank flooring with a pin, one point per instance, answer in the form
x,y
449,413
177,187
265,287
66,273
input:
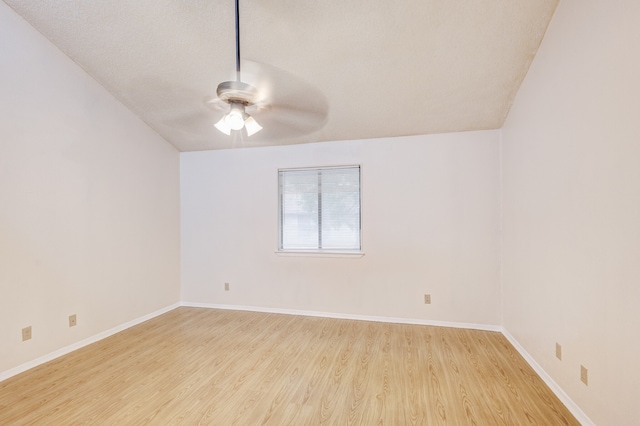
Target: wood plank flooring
x,y
196,366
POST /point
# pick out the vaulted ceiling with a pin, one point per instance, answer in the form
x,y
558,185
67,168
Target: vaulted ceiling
x,y
374,68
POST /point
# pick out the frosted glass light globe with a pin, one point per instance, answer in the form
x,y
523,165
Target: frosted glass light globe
x,y
235,119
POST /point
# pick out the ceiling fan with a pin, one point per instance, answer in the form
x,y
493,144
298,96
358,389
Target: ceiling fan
x,y
279,102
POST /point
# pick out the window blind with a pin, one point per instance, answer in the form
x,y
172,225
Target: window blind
x,y
320,209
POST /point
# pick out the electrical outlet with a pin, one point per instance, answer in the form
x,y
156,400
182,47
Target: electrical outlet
x,y
427,299
559,351
584,375
26,333
226,286
72,320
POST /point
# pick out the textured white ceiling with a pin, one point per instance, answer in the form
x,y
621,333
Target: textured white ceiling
x,y
383,68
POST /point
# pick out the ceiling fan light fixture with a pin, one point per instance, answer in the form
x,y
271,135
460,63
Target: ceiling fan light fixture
x,y
236,119
252,126
223,127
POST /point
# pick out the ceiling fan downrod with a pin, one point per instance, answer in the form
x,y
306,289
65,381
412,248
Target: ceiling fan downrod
x,y
237,40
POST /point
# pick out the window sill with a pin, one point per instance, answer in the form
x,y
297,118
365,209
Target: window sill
x,y
301,253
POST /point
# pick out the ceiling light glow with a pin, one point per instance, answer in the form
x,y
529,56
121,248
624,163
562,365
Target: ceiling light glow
x,y
235,118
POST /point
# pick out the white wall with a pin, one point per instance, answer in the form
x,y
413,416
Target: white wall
x,y
430,219
571,153
89,214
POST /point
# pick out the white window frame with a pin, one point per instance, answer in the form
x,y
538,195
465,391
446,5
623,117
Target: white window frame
x,y
355,253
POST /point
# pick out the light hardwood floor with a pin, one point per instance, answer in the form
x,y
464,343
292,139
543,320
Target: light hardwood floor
x,y
202,366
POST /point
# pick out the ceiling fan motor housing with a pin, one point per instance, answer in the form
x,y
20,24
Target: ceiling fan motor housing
x,y
237,92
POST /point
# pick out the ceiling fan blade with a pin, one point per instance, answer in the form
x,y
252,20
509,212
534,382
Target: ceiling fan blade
x,y
286,105
297,120
215,104
193,122
279,126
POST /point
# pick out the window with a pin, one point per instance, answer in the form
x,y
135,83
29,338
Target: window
x,y
319,209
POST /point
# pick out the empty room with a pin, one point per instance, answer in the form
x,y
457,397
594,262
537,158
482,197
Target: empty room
x,y
299,212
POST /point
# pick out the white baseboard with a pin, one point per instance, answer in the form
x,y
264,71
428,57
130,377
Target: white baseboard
x,y
67,349
555,388
414,321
